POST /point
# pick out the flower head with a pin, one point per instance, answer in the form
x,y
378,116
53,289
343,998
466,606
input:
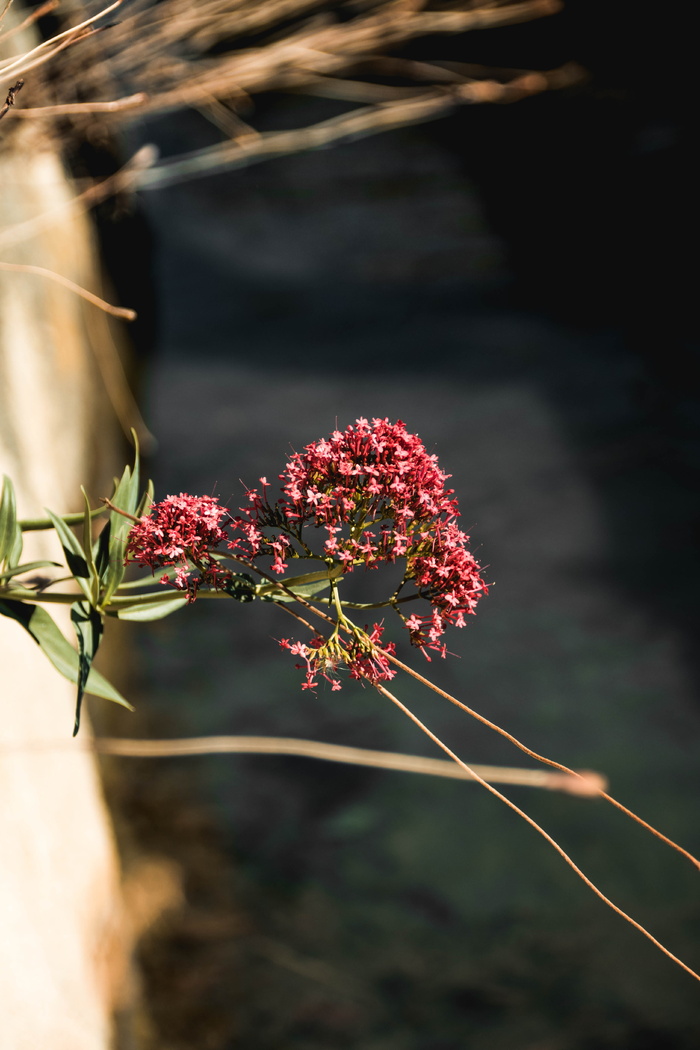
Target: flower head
x,y
366,496
374,495
182,531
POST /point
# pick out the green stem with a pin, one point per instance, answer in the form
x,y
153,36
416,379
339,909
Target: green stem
x,y
43,524
39,598
389,603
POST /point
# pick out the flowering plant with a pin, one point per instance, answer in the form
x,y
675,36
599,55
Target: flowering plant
x,y
367,497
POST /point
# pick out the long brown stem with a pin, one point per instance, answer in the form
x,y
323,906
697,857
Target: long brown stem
x,y
541,758
270,745
533,824
40,271
514,740
124,513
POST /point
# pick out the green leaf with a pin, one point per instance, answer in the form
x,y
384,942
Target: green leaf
x,y
88,552
44,524
75,556
126,497
306,586
37,622
100,551
126,494
153,610
88,627
10,532
123,491
144,506
116,538
30,566
144,581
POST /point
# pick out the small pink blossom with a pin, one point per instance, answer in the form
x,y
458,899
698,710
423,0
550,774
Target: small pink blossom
x,y
181,531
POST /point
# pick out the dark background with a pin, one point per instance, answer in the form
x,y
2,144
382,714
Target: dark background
x,y
515,283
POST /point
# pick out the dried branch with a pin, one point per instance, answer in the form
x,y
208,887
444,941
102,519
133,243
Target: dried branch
x,y
355,756
538,828
51,47
359,123
33,16
40,271
117,105
95,193
11,95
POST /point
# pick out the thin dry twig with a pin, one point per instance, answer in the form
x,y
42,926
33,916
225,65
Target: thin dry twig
x,y
6,8
117,105
540,758
117,385
33,16
357,756
123,313
540,830
359,123
11,95
82,202
48,48
480,718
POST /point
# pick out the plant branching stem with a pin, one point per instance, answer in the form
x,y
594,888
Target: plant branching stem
x,y
124,313
533,824
540,758
514,740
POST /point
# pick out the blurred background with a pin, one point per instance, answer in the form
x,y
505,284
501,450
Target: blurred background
x,y
514,279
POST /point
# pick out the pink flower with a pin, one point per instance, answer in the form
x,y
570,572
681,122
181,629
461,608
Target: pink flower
x,y
182,531
375,472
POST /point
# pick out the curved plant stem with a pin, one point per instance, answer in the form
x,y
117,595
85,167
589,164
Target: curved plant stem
x,y
541,758
513,739
533,824
40,271
270,745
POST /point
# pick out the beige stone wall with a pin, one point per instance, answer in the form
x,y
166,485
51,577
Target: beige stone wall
x,y
60,955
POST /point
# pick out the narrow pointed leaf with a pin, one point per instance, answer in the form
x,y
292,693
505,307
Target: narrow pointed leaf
x,y
144,506
44,524
153,610
100,551
302,590
37,622
116,538
126,497
306,586
75,556
29,566
88,628
87,551
10,532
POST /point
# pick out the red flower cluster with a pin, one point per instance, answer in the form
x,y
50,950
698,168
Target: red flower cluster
x,y
376,496
379,496
182,531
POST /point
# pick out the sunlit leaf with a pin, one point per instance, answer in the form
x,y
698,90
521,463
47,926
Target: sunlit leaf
x,y
44,524
153,610
29,566
126,497
10,532
144,506
88,628
75,556
306,586
37,622
88,552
